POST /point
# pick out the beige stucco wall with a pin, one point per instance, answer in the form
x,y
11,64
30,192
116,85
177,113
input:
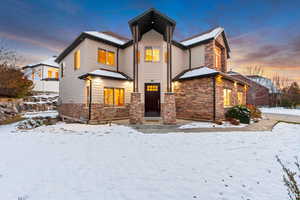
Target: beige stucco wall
x,y
126,61
198,56
180,60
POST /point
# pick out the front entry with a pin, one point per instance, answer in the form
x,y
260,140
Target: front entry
x,y
152,100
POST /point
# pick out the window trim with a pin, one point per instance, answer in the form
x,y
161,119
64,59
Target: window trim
x,y
113,105
106,57
152,48
230,98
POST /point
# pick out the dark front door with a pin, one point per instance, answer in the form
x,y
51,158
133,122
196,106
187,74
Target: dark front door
x,y
152,99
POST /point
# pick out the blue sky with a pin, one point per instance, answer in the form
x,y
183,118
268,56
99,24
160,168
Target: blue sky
x,y
260,32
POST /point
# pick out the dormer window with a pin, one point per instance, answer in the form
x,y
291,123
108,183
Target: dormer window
x,y
106,57
152,54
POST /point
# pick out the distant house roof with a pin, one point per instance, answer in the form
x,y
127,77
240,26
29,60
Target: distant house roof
x,y
49,62
106,74
268,83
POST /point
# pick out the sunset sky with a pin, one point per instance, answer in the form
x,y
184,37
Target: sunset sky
x,y
261,32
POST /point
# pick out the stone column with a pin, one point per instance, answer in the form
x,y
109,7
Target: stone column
x,y
169,109
136,111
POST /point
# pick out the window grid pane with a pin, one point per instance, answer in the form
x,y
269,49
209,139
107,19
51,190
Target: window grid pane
x,y
102,56
110,58
155,55
148,54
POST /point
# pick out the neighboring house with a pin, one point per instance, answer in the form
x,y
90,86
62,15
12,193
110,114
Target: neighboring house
x,y
257,94
274,92
106,76
45,75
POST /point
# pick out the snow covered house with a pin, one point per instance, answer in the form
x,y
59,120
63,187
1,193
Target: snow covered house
x,y
44,75
106,76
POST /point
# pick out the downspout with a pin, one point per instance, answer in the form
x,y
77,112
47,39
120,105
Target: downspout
x,y
214,98
190,59
90,103
117,59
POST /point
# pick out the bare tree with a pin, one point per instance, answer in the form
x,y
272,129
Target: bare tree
x,y
8,57
255,70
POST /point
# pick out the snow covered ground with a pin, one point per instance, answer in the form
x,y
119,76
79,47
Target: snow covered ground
x,y
82,162
211,125
280,110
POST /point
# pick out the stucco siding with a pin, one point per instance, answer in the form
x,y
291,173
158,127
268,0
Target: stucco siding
x,y
198,56
126,61
180,60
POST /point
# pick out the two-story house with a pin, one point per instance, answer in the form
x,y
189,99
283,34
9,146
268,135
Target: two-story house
x,y
44,75
106,76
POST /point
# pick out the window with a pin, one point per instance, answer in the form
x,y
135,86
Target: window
x,y
56,74
114,96
152,54
49,73
138,56
218,57
152,88
166,57
40,74
227,97
106,57
240,98
32,75
77,60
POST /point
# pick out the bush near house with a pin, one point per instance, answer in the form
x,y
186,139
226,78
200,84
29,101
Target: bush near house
x,y
13,84
239,112
254,111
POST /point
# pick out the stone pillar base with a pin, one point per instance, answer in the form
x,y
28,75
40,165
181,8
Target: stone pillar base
x,y
169,109
136,111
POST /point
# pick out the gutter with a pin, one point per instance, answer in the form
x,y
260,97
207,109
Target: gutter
x,y
90,103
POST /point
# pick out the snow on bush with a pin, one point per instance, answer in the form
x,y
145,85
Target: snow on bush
x,y
30,124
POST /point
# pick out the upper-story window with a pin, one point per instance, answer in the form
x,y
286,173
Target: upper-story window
x,y
218,57
77,60
152,54
106,57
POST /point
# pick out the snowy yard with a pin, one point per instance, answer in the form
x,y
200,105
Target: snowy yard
x,y
73,161
280,110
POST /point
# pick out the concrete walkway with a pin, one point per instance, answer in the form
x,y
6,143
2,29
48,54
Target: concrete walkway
x,y
266,124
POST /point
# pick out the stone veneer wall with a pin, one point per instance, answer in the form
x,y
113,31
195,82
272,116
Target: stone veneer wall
x,y
136,110
169,109
73,111
99,114
209,54
194,99
223,84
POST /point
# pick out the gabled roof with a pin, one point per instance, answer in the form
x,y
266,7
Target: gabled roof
x,y
206,36
152,19
106,74
108,36
49,62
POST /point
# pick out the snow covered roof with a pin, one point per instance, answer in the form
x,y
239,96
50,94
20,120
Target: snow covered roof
x,y
50,62
202,37
106,73
202,71
265,82
107,36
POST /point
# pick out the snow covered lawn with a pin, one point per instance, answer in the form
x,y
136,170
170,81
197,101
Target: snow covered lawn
x,y
280,110
83,162
211,125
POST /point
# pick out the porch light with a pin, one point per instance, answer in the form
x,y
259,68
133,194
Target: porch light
x,y
235,84
219,79
245,88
